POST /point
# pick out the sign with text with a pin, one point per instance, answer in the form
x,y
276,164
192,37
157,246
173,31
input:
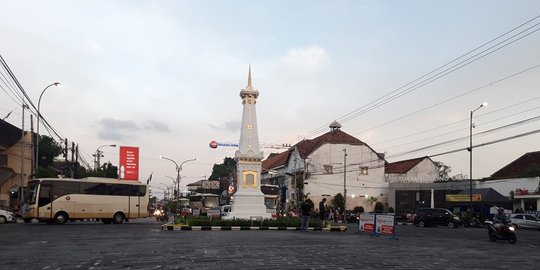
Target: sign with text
x,y
385,224
463,197
367,222
129,163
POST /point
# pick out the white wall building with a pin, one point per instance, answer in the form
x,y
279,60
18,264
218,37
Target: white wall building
x,y
332,163
418,170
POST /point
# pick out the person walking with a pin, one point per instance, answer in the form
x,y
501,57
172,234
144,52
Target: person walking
x,y
322,211
307,208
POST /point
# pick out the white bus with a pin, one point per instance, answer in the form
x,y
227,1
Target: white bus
x,y
57,200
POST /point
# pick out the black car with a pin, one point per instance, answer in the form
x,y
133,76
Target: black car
x,y
435,217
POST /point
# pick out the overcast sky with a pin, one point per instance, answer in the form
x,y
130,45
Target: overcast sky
x,y
165,76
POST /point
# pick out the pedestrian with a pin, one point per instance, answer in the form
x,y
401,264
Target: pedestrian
x,y
322,211
307,209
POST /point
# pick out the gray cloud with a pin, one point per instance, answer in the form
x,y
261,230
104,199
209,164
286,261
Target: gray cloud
x,y
156,126
119,130
231,126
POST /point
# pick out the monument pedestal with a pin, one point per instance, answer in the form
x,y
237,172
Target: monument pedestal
x,y
247,205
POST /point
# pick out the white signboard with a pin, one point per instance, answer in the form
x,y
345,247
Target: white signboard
x,y
385,224
367,222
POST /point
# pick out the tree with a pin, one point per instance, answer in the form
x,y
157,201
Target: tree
x,y
225,169
358,209
49,149
372,200
531,172
107,170
338,202
443,170
379,207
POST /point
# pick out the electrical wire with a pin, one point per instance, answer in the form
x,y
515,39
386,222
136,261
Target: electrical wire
x,y
391,96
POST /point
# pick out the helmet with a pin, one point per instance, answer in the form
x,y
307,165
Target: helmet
x,y
501,210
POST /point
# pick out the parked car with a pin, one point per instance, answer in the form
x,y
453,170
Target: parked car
x,y
6,216
435,217
525,221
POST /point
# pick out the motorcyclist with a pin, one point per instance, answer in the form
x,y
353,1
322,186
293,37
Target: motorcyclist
x,y
499,220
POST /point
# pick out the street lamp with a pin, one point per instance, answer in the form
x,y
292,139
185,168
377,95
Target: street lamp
x,y
178,169
173,186
37,124
471,126
98,154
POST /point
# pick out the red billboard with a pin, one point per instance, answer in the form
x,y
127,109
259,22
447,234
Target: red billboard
x,y
129,163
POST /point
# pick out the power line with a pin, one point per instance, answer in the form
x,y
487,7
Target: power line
x,y
452,98
455,131
463,120
391,96
467,137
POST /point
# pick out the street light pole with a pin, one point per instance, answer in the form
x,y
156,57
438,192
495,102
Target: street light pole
x,y
178,169
36,161
471,126
97,155
173,186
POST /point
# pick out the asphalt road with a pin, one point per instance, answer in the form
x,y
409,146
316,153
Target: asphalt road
x,y
141,244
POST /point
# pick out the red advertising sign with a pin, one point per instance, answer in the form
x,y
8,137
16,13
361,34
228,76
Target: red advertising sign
x,y
129,163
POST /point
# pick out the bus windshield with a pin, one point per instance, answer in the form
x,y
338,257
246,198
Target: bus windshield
x,y
31,195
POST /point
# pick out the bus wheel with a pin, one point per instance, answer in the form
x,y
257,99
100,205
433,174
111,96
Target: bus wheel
x,y
118,218
60,218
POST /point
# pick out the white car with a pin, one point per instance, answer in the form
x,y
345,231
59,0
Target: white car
x,y
6,216
525,221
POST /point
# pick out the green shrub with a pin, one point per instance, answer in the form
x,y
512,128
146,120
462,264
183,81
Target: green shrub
x,y
279,222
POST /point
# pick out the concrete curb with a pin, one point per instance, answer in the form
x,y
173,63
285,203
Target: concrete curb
x,y
170,227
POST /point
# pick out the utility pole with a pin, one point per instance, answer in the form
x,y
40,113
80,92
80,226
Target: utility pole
x,y
34,159
65,156
72,165
77,158
21,193
344,181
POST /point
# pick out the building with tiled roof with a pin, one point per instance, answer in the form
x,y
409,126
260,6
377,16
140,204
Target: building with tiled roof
x,y
315,168
416,170
10,162
519,167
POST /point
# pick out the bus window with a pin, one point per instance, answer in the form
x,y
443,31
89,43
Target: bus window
x,y
120,190
137,191
62,188
211,201
45,193
96,188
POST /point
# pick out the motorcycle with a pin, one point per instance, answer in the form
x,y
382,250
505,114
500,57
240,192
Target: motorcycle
x,y
506,232
161,215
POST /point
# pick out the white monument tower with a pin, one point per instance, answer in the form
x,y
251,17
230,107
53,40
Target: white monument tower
x,y
248,199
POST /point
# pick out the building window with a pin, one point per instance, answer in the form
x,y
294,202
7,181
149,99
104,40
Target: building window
x,y
328,169
3,160
363,170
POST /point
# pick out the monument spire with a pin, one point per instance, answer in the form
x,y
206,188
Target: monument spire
x,y
248,199
249,76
